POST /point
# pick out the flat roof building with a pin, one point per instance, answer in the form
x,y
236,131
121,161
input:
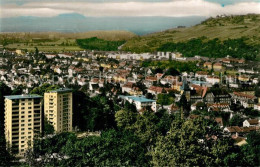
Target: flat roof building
x,y
58,109
140,102
23,121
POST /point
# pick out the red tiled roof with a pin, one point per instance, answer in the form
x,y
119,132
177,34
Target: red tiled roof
x,y
240,94
207,63
150,78
202,72
217,64
253,121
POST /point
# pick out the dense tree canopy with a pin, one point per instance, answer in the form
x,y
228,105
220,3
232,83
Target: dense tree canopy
x,y
95,43
192,143
44,88
174,66
215,48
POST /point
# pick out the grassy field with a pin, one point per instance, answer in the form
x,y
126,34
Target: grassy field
x,y
57,42
223,28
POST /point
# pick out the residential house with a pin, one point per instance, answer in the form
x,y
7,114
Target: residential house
x,y
219,107
218,67
140,102
201,74
213,80
218,97
208,65
251,123
246,100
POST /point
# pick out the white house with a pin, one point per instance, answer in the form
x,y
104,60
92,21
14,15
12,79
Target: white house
x,y
213,80
251,123
140,102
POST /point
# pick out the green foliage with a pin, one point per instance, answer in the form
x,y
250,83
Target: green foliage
x,y
96,113
191,143
165,99
5,157
95,43
223,28
150,125
251,151
48,128
251,112
44,88
213,48
112,148
125,118
172,71
236,120
180,66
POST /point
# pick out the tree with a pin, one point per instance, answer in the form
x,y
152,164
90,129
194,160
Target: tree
x,y
5,157
183,103
250,152
236,120
164,99
18,90
112,148
36,51
192,143
172,71
48,128
115,148
44,88
125,118
98,114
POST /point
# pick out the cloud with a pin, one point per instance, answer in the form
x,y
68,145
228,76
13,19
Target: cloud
x,y
173,8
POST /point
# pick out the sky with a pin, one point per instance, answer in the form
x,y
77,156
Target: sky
x,y
118,9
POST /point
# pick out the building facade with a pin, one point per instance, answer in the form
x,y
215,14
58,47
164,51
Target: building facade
x,y
140,102
58,109
23,121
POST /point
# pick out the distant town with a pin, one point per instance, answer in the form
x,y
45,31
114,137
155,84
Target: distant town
x,y
44,101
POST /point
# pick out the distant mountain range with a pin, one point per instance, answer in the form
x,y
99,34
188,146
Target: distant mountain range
x,y
72,23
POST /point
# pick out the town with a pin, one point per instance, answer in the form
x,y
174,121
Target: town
x,y
223,90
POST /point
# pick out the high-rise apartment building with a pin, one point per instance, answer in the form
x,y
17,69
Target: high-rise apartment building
x,y
58,109
23,121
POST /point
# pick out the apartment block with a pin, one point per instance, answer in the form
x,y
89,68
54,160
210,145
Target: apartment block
x,y
23,121
58,109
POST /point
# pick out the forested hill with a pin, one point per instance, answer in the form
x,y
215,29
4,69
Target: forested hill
x,y
246,28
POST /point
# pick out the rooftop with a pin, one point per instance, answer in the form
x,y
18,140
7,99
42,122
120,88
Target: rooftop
x,y
13,97
61,90
138,98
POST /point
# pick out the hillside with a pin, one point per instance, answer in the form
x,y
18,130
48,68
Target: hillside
x,y
229,27
54,41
